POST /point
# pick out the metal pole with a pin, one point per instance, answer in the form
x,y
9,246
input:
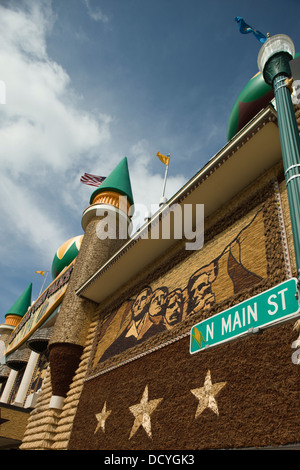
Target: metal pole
x,y
43,283
165,180
290,147
274,62
163,199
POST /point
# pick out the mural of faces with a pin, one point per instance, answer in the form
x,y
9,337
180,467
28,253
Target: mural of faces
x,y
200,288
154,311
141,304
157,304
174,308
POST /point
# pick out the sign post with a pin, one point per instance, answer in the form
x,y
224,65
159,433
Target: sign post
x,y
276,305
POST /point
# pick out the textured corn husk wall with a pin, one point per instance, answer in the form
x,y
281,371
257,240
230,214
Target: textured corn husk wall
x,y
48,428
51,429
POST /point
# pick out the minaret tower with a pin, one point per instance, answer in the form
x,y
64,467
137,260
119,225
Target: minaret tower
x,y
15,314
105,223
12,319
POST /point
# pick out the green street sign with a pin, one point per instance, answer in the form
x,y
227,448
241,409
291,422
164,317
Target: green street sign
x,y
275,305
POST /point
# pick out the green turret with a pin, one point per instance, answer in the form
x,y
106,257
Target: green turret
x,y
118,181
21,306
111,203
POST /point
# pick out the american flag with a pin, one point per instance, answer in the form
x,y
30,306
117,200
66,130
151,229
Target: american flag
x,y
92,180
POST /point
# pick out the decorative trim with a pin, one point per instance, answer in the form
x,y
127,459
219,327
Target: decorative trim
x,y
283,231
111,198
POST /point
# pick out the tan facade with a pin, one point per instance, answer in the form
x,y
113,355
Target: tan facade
x,y
136,385
236,385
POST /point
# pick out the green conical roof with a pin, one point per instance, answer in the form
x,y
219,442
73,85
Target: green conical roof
x,y
20,307
118,181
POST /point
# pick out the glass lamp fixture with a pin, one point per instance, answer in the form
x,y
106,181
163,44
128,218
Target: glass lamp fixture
x,y
276,48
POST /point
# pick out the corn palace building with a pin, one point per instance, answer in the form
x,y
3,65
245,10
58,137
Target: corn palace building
x,y
141,343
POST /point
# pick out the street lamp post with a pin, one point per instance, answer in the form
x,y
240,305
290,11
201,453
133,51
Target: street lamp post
x,y
273,61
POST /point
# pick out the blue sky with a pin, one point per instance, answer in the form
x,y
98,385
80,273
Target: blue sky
x,y
90,81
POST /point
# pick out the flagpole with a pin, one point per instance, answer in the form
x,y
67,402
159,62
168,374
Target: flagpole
x,y
163,199
43,283
165,180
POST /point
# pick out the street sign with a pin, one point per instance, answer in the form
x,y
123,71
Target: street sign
x,y
278,304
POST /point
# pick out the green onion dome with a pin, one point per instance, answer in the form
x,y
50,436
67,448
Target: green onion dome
x,y
255,96
65,254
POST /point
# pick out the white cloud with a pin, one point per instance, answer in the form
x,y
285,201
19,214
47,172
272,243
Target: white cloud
x,y
28,221
44,133
23,30
48,140
95,13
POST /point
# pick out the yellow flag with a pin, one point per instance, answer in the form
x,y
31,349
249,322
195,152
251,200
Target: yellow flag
x,y
40,272
163,158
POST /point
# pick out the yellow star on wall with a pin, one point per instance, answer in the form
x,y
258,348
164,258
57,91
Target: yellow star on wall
x,y
206,395
142,412
101,418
